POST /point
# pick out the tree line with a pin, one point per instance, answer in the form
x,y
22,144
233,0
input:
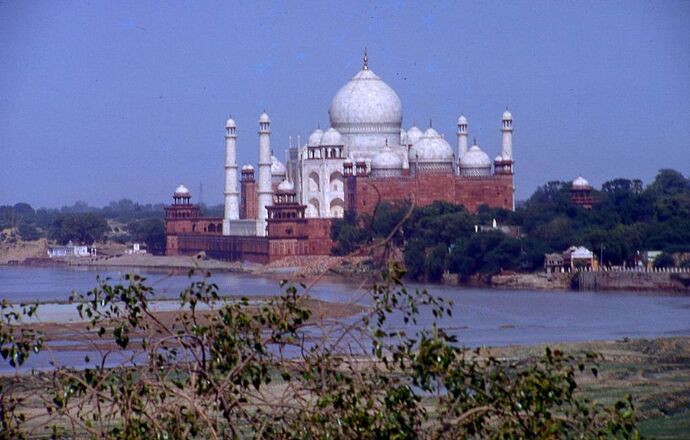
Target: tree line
x,y
626,218
121,221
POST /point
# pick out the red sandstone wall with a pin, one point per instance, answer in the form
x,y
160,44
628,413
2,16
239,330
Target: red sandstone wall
x,y
248,200
495,191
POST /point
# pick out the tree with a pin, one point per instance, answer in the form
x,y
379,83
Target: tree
x,y
435,262
83,228
415,258
150,231
664,260
207,374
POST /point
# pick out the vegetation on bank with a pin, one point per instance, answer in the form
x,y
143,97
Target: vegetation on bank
x,y
241,370
627,218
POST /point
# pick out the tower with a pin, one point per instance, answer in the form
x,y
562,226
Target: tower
x,y
265,191
462,136
507,129
232,210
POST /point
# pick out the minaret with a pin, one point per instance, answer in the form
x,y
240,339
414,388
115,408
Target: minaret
x,y
507,129
232,209
462,136
265,190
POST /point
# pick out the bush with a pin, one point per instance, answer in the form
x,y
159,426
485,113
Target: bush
x,y
207,374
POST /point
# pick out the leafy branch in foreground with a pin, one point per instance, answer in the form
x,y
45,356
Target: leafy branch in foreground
x,y
270,368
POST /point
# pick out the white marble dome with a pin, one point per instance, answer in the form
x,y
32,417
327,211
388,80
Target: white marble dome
x,y
386,160
431,147
182,191
264,117
413,135
247,168
315,138
277,167
365,99
462,120
286,186
507,116
366,111
331,137
475,158
581,182
230,123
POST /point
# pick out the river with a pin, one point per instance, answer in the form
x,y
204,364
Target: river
x,y
481,317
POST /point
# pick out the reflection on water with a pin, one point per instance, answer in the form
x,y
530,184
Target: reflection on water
x,y
481,316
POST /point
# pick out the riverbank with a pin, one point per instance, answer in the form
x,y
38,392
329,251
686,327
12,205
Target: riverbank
x,y
654,372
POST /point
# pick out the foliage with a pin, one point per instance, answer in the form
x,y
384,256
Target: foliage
x,y
232,369
83,228
664,260
150,231
626,218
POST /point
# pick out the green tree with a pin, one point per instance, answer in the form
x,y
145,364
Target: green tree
x,y
664,260
415,258
150,231
83,228
435,262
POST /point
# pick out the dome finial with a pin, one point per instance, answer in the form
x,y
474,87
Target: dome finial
x,y
430,123
366,60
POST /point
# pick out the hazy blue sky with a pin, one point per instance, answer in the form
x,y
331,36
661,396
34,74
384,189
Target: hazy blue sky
x,y
105,100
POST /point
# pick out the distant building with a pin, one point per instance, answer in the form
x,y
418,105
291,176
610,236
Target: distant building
x,y
553,262
581,193
575,257
71,250
136,249
578,257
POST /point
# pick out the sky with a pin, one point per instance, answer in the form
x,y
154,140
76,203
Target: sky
x,y
103,100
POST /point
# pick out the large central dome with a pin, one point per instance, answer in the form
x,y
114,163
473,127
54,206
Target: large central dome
x,y
365,99
367,112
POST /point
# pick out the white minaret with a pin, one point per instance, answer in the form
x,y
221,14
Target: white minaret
x,y
462,136
265,191
507,129
232,196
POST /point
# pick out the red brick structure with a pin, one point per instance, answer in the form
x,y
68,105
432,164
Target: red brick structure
x,y
289,232
581,193
363,191
248,200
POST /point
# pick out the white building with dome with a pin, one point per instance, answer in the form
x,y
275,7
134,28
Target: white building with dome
x,y
366,127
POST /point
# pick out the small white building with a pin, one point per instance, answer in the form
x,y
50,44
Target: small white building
x,y
71,250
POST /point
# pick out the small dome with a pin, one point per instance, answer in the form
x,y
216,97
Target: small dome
x,y
247,168
264,117
230,123
181,191
475,158
581,182
286,186
413,135
315,138
277,167
331,137
507,116
386,160
462,120
431,147
499,158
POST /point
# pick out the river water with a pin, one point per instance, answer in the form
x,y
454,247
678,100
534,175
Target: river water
x,y
481,317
